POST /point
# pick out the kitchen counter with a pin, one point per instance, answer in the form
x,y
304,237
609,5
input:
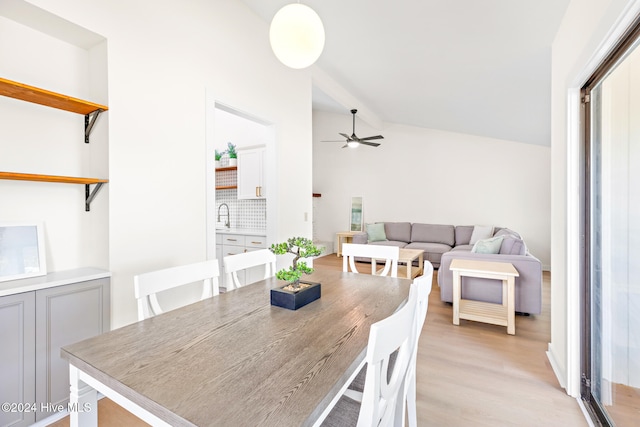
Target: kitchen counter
x,y
245,231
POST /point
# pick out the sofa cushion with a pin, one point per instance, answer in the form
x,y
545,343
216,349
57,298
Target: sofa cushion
x,y
462,248
481,232
432,251
463,234
488,246
398,231
390,243
513,246
375,232
433,233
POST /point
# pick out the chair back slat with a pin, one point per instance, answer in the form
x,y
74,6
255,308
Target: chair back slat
x,y
148,285
389,254
242,261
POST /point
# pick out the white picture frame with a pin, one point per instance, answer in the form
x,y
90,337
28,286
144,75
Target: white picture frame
x,y
22,250
356,217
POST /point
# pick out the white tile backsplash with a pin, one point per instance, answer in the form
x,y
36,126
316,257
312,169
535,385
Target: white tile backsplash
x,y
242,213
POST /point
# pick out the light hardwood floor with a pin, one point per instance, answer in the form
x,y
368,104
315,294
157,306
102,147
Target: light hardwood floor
x,y
468,375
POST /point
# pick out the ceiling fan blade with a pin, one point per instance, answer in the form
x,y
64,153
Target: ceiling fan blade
x,y
372,144
345,145
336,140
368,138
345,135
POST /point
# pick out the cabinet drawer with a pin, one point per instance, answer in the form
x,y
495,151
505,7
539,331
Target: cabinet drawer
x,y
232,250
257,242
233,239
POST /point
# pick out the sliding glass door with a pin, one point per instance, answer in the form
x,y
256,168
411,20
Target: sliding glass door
x,y
611,306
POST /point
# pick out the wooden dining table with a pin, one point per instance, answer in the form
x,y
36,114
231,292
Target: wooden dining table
x,y
234,359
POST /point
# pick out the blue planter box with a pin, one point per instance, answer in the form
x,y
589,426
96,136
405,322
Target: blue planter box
x,y
294,300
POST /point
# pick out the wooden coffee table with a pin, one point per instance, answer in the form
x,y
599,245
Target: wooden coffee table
x,y
496,314
407,256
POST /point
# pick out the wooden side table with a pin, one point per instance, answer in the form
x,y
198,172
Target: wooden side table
x,y
347,236
496,314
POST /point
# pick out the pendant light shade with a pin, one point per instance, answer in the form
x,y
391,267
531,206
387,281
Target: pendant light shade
x,y
296,35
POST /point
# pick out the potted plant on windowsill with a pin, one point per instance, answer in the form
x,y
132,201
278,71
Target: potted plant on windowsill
x,y
233,154
296,293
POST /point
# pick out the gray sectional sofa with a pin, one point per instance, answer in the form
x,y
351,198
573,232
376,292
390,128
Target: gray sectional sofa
x,y
444,243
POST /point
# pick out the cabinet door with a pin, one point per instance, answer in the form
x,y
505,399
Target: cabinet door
x,y
18,357
65,315
251,174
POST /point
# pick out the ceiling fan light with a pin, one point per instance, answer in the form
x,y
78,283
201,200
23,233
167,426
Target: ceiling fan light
x,y
352,144
296,35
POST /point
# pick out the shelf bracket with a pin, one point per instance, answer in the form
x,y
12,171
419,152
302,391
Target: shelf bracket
x,y
89,121
90,195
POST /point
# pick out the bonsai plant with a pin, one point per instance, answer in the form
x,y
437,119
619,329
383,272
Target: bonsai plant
x,y
300,247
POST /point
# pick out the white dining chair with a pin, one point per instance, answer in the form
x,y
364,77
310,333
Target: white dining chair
x,y
147,285
389,254
383,398
234,263
423,284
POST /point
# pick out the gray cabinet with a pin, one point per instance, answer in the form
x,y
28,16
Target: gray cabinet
x,y
34,325
17,357
235,243
65,315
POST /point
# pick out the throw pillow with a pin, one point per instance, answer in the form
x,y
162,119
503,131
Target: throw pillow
x,y
488,246
481,232
513,246
375,232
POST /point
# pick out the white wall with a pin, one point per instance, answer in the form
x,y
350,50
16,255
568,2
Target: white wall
x,y
44,140
431,176
587,31
162,56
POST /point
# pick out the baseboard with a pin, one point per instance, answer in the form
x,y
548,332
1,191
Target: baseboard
x,y
560,375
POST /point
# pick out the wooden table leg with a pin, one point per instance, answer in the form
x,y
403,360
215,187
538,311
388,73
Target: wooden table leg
x,y
511,303
456,297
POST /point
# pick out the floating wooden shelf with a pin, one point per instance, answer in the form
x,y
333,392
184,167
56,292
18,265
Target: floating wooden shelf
x,y
316,195
50,99
227,187
88,193
91,112
227,168
50,178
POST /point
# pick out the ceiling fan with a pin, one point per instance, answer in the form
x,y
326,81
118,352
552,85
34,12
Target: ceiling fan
x,y
353,141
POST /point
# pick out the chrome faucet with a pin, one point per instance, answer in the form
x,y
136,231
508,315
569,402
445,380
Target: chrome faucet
x,y
226,224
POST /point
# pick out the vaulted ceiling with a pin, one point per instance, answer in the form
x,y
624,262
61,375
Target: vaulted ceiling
x,y
481,67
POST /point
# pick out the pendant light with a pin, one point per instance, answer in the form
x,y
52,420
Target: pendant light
x,y
296,35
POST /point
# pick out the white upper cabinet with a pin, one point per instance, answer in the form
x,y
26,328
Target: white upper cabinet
x,y
251,173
